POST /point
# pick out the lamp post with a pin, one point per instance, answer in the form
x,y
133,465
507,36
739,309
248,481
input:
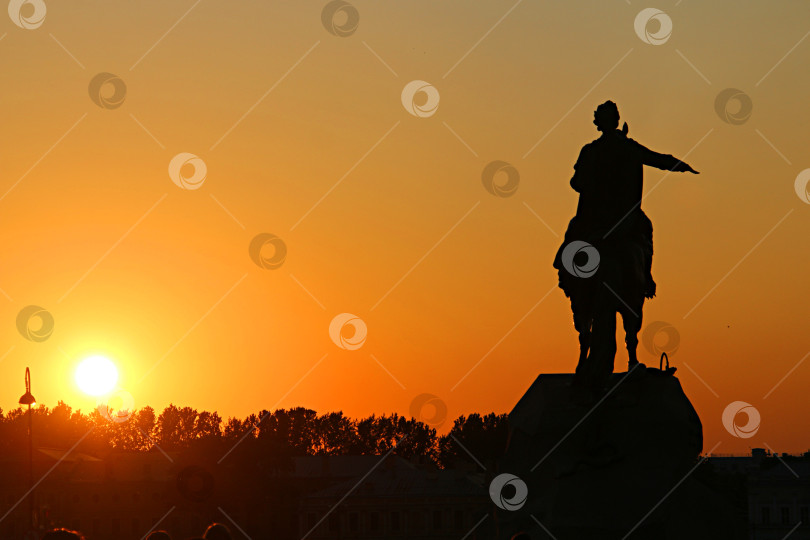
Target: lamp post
x,y
28,399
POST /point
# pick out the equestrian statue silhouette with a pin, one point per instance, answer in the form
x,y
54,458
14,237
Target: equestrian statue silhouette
x,y
604,263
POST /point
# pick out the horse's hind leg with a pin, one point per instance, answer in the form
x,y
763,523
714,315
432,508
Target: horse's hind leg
x,y
583,316
632,357
603,345
584,345
632,326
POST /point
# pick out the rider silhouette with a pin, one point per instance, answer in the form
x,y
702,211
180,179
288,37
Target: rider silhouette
x,y
609,179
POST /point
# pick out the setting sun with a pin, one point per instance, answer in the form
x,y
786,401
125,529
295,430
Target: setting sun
x,y
96,375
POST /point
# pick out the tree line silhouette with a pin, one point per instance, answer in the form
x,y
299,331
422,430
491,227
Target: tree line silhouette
x,y
277,436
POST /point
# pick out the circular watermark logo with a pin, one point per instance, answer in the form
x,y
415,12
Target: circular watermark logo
x,y
423,89
733,106
649,17
508,492
751,426
195,483
651,338
340,18
580,259
35,323
107,90
429,409
187,171
802,180
28,14
500,189
117,406
268,251
348,331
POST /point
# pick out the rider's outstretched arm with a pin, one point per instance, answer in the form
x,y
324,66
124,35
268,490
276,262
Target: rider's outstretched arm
x,y
664,161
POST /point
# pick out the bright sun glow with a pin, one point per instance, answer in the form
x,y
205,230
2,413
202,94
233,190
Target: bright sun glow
x,y
96,375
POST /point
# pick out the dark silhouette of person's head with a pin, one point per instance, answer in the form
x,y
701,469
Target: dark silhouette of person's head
x,y
158,535
606,117
217,531
63,534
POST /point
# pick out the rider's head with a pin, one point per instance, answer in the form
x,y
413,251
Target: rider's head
x,y
606,116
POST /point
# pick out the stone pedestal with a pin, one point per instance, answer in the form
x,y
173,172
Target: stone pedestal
x,y
614,467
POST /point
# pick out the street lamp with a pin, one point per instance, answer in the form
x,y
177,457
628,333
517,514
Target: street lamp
x,y
28,399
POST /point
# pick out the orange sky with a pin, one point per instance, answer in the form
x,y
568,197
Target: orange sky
x,y
403,235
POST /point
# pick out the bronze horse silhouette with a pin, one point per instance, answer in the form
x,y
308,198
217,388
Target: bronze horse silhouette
x,y
604,263
617,284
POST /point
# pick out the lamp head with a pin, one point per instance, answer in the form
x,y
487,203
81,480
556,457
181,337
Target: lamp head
x,y
28,398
